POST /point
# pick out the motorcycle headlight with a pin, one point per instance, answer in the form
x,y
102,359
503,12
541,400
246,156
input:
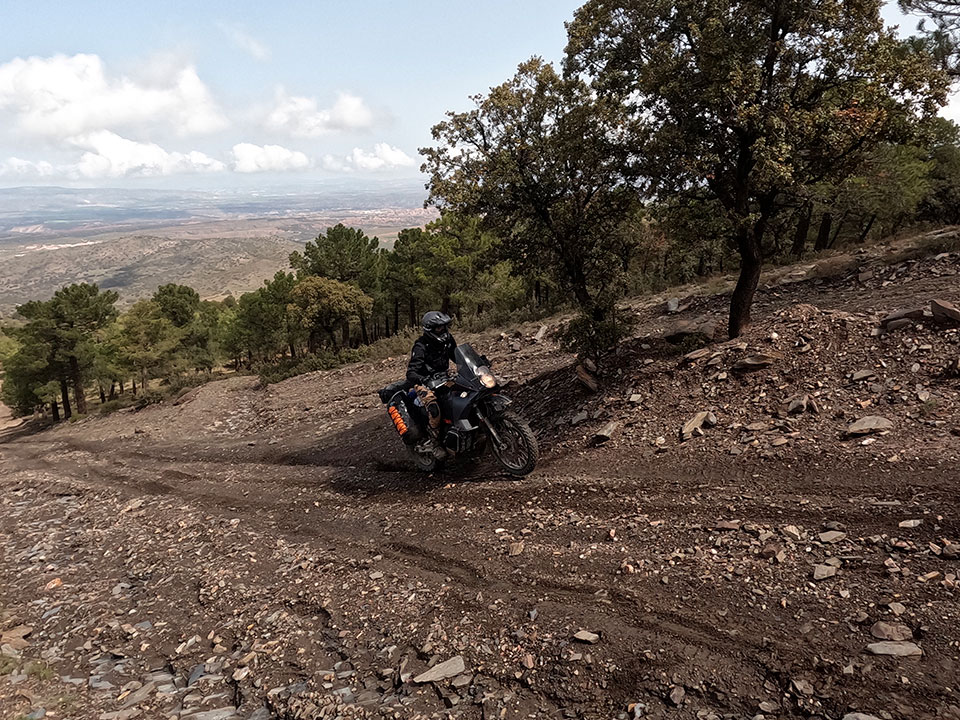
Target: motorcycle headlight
x,y
486,378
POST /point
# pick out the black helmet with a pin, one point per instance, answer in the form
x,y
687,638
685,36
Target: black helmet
x,y
436,326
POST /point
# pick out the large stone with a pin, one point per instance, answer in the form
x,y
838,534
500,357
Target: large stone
x,y
883,630
945,312
869,425
585,636
703,327
605,433
15,638
822,572
757,361
587,378
695,425
442,671
898,315
832,536
897,649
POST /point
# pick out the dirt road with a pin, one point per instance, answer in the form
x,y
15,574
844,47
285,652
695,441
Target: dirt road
x,y
260,553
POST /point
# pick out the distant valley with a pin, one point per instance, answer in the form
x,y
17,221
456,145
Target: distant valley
x,y
218,243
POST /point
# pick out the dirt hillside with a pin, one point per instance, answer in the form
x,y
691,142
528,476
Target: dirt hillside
x,y
260,553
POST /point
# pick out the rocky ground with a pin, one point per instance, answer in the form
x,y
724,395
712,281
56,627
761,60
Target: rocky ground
x,y
766,528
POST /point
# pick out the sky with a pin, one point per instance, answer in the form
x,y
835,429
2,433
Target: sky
x,y
218,93
228,94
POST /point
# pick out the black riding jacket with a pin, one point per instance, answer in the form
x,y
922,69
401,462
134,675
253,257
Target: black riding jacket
x,y
429,357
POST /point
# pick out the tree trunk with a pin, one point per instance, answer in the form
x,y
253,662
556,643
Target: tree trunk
x,y
293,350
363,330
113,391
386,325
413,311
396,316
866,231
143,379
445,305
823,234
836,233
537,297
103,395
121,387
134,383
65,397
345,333
803,229
55,410
751,263
77,379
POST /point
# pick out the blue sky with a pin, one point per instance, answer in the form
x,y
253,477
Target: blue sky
x,y
110,93
210,93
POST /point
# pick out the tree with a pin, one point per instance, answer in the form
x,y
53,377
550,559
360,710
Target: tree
x,y
148,341
346,255
942,34
257,328
322,305
753,101
542,160
178,303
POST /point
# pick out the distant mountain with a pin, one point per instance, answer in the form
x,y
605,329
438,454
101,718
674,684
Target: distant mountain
x,y
220,243
56,211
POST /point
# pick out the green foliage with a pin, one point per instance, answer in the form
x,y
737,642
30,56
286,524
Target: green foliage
x,y
146,341
343,254
542,160
322,305
753,103
178,303
595,338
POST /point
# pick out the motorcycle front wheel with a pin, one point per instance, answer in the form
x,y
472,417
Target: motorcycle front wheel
x,y
517,452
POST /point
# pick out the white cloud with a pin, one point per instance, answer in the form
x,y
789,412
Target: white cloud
x,y
249,158
301,116
383,157
17,167
107,155
246,42
64,96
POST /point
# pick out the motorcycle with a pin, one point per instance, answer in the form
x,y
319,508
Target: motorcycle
x,y
475,413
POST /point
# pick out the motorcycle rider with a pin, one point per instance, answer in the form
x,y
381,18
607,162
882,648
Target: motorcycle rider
x,y
431,355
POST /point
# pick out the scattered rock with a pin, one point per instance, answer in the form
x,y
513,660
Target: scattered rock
x,y
587,379
869,425
911,523
891,631
944,312
515,548
677,694
831,536
442,671
694,426
755,362
904,316
585,636
897,649
703,327
792,532
605,433
822,572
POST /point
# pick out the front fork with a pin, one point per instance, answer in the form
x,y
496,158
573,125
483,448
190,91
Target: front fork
x,y
490,428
